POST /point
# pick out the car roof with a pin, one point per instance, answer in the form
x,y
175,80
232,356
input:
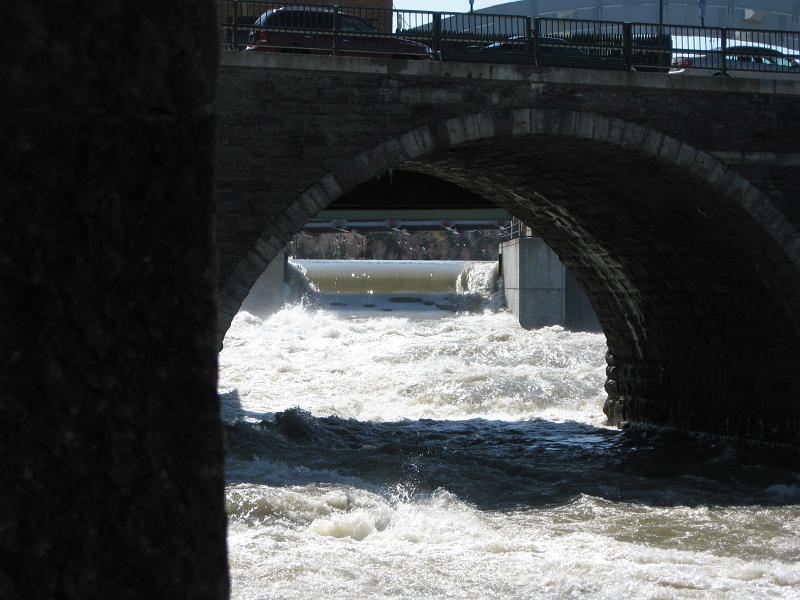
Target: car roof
x,y
304,8
261,20
296,8
551,38
752,48
712,44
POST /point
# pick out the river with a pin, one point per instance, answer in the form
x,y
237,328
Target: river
x,y
390,442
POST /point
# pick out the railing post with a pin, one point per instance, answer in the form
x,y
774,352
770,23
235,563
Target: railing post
x,y
537,29
335,26
437,33
528,40
723,50
627,43
235,39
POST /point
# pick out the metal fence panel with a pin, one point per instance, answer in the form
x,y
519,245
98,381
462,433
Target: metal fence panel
x,y
323,29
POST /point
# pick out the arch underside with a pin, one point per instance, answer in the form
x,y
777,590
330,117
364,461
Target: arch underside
x,y
698,303
698,298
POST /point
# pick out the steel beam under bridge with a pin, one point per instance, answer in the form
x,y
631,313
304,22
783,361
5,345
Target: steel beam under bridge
x,y
363,221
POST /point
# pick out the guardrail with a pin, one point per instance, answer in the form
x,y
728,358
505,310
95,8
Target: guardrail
x,y
482,37
515,230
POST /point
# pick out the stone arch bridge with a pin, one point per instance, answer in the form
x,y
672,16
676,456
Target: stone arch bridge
x,y
675,201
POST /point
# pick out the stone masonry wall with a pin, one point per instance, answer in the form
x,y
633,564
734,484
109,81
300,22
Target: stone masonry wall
x,y
638,181
110,439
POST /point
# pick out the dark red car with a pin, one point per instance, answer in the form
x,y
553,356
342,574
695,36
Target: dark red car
x,y
311,29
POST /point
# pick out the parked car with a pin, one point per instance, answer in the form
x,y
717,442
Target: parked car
x,y
310,29
551,46
554,51
751,60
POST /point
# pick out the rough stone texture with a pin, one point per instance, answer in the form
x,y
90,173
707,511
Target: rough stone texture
x,y
690,255
110,442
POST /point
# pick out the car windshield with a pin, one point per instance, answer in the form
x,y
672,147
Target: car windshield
x,y
354,24
782,61
262,20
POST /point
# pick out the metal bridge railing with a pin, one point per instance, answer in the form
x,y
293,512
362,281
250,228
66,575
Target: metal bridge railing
x,y
481,37
517,229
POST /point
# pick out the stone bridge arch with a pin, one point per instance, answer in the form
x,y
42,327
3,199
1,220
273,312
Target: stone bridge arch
x,y
702,334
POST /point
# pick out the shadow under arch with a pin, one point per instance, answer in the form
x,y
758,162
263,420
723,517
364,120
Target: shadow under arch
x,y
633,462
693,272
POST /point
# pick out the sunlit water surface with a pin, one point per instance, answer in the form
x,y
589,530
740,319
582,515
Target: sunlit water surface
x,y
383,452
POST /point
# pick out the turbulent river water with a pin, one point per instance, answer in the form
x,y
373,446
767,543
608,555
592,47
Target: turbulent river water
x,y
390,443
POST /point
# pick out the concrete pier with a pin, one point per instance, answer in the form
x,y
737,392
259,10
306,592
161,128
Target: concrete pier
x,y
267,295
540,291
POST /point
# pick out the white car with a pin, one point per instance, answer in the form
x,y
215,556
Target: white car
x,y
753,60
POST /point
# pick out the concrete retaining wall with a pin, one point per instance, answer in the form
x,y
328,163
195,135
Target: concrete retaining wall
x,y
540,291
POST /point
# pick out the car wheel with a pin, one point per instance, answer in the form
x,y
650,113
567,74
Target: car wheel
x,y
720,74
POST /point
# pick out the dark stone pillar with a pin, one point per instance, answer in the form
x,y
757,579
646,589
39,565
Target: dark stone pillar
x,y
111,460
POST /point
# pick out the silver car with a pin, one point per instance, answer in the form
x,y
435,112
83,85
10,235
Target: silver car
x,y
741,60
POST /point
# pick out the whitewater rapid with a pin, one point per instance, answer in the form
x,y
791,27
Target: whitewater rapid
x,y
411,366
423,453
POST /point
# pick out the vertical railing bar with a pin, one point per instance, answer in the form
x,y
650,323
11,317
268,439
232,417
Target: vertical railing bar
x,y
537,29
235,24
724,50
335,27
437,34
626,44
528,40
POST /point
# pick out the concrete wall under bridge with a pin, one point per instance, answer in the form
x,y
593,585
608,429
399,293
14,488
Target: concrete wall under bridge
x,y
540,291
673,201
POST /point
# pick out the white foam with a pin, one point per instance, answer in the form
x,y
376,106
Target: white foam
x,y
300,532
357,544
395,367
